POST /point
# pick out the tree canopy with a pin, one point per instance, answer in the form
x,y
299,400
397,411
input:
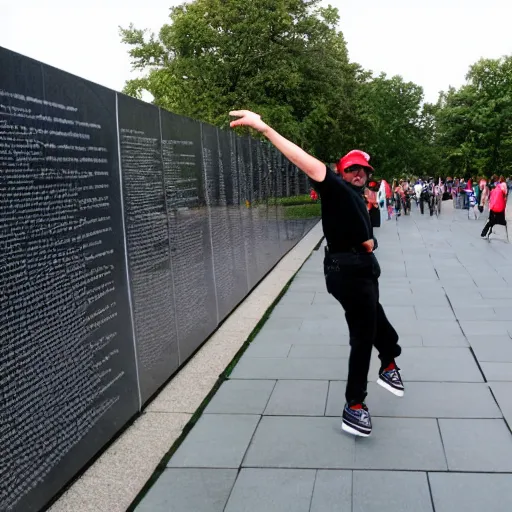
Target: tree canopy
x,y
286,60
475,121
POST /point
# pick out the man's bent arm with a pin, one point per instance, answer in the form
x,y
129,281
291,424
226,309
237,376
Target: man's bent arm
x,y
315,169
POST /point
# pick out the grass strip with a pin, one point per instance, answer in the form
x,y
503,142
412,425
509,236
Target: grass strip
x,y
303,211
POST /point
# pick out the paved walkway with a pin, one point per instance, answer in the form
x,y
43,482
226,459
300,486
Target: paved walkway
x,y
270,440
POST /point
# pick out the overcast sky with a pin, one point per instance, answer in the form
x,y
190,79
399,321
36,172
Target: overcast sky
x,y
432,44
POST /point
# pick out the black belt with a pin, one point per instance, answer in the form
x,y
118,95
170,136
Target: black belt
x,y
346,250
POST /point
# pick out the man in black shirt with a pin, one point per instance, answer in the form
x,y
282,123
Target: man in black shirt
x,y
350,267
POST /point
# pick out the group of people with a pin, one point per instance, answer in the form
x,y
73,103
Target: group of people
x,y
474,195
398,197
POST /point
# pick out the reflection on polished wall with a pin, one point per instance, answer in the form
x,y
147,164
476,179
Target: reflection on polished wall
x,y
127,234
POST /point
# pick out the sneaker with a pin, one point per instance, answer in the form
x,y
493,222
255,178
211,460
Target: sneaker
x,y
389,378
356,420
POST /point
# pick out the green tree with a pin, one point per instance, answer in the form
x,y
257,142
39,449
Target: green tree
x,y
392,126
282,58
474,123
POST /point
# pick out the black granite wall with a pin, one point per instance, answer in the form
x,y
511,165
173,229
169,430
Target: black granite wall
x,y
127,234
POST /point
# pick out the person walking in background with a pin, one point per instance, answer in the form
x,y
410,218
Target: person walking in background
x,y
463,198
397,198
424,196
497,205
473,203
381,196
448,188
484,194
350,267
370,195
418,187
476,191
455,193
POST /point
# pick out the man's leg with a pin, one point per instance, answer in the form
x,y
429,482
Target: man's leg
x,y
359,300
489,225
386,339
386,342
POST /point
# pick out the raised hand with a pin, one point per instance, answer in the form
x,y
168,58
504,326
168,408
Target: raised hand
x,y
248,118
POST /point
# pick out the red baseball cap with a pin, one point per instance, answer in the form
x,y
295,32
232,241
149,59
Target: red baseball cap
x,y
354,157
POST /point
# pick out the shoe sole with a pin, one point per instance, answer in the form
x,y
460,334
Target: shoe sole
x,y
350,430
385,385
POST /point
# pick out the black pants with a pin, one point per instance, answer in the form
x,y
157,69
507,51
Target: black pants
x,y
375,217
494,218
352,278
427,199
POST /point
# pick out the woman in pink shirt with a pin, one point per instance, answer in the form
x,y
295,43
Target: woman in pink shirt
x,y
497,204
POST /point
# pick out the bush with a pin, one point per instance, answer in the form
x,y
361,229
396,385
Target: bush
x,y
286,201
294,200
303,211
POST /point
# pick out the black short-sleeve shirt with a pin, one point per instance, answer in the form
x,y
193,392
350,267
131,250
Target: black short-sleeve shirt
x,y
345,219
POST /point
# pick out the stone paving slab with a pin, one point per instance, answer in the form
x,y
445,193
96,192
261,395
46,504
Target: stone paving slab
x,y
402,443
397,490
496,293
494,349
434,312
333,491
485,327
477,445
320,351
283,324
428,327
328,327
241,397
216,441
269,349
271,490
300,442
443,340
299,338
310,311
476,312
323,297
298,398
471,492
497,371
502,313
291,368
502,392
297,298
186,489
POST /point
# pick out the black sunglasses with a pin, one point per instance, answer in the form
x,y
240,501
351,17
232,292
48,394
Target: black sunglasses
x,y
355,168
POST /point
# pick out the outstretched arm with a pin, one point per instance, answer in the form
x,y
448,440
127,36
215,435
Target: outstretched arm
x,y
315,169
